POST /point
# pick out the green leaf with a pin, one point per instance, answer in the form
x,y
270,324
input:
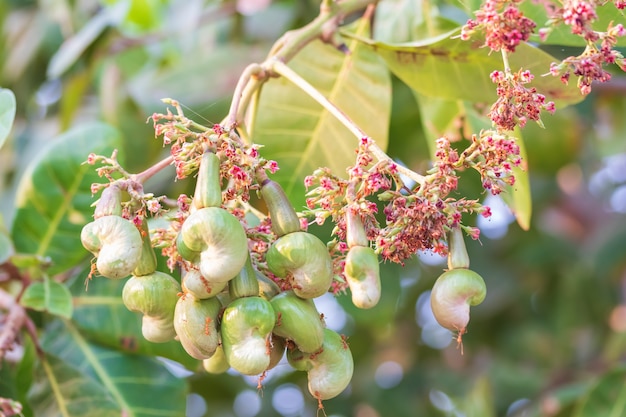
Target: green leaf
x,y
442,117
49,296
518,196
130,385
407,20
7,113
447,67
607,398
302,136
54,196
101,316
61,390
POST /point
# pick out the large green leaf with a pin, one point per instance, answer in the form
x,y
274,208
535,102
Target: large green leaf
x,y
7,113
54,196
301,135
607,398
445,66
97,377
102,317
407,20
61,390
49,296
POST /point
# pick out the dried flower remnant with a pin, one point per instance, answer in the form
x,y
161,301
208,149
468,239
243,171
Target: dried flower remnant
x,y
589,66
503,24
516,103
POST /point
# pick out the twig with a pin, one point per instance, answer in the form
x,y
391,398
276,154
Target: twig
x,y
148,173
14,321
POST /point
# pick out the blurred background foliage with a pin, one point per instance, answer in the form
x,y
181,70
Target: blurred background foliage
x,y
550,338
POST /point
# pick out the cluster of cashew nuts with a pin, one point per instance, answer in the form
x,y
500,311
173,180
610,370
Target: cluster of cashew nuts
x,y
227,313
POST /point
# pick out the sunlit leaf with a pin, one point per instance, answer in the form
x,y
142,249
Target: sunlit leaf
x,y
607,398
406,20
48,296
445,66
101,316
54,196
7,113
131,385
301,135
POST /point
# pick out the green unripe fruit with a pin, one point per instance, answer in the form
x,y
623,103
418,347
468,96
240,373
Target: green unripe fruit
x,y
303,259
216,364
198,286
116,243
218,240
453,294
298,320
362,273
330,370
247,324
195,321
155,296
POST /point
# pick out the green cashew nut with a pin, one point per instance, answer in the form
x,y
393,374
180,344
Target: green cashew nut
x,y
247,324
284,217
304,260
155,296
208,191
218,239
195,321
457,253
147,260
453,294
298,320
362,272
245,284
277,350
329,370
116,243
198,286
